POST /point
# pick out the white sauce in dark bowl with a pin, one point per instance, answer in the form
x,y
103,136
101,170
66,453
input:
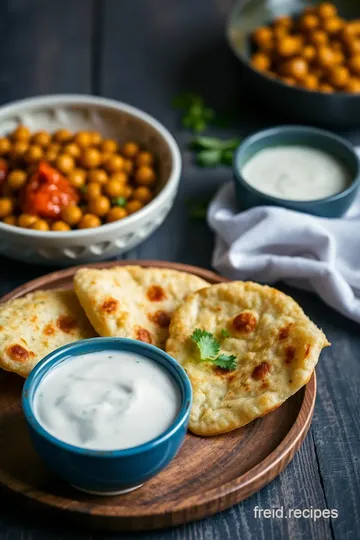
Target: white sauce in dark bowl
x,y
296,173
109,400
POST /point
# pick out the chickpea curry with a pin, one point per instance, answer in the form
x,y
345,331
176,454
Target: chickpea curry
x,y
63,181
317,50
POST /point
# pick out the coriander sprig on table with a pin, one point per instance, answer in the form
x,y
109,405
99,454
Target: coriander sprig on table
x,y
209,349
212,151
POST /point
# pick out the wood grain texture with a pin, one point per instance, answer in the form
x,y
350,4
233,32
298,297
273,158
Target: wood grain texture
x,y
208,475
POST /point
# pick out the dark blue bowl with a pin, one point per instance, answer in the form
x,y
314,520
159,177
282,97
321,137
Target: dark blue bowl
x,y
115,471
333,206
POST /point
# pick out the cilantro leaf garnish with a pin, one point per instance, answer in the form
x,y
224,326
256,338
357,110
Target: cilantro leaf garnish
x,y
225,333
208,346
226,361
209,349
119,201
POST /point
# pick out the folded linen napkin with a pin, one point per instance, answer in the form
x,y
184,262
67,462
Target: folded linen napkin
x,y
268,244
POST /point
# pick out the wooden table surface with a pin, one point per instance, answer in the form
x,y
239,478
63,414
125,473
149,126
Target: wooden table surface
x,y
144,52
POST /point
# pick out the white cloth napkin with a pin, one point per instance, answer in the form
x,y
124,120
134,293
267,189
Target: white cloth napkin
x,y
268,244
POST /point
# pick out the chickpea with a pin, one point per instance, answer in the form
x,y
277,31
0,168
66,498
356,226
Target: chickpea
x,y
324,87
19,149
62,136
91,158
26,220
280,32
114,163
16,179
297,68
65,163
116,213
339,57
354,64
95,138
89,221
289,46
309,52
145,176
263,37
114,188
54,147
5,146
60,226
260,61
127,192
98,175
105,156
10,220
93,190
6,207
142,194
109,146
130,150
83,139
50,156
77,178
338,76
99,206
352,86
21,133
120,177
318,37
353,46
33,154
128,166
40,225
308,22
325,57
332,25
144,158
133,206
326,10
289,80
310,81
71,214
73,150
42,138
284,21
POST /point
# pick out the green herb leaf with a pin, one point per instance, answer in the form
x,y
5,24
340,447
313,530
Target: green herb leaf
x,y
209,349
225,333
208,346
119,201
227,157
199,125
208,158
207,143
226,361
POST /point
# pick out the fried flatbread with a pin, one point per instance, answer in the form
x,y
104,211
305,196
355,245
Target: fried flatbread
x,y
132,301
38,323
275,344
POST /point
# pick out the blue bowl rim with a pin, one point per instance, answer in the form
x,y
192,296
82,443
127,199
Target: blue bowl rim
x,y
274,131
60,354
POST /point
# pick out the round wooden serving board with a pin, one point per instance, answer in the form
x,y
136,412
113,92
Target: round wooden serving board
x,y
207,476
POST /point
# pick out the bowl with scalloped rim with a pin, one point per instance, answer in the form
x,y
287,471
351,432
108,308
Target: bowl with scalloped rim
x,y
112,119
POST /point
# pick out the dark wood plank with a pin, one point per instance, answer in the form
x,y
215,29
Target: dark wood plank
x,y
47,48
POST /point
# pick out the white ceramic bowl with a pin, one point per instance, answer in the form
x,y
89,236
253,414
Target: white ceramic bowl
x,y
112,119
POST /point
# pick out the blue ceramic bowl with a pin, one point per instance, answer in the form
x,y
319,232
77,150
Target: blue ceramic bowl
x,y
116,471
333,206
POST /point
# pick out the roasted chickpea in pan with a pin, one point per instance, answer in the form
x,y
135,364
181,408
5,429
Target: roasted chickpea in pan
x,y
67,180
317,50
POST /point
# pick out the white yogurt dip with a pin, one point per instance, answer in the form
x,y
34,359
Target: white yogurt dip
x,y
297,173
107,400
